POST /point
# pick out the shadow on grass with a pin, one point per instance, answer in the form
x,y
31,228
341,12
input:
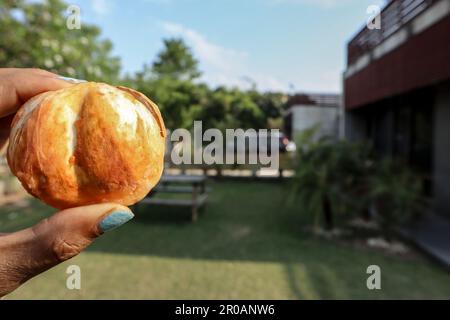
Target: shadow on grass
x,y
163,215
245,221
249,222
241,221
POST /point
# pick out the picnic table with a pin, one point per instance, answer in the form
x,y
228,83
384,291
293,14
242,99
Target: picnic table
x,y
180,184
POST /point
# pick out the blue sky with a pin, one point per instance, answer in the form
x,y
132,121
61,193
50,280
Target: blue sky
x,y
289,45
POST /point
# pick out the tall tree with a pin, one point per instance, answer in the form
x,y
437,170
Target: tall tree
x,y
176,61
169,81
35,34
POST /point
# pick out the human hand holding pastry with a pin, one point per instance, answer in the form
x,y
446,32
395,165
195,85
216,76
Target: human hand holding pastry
x,y
90,149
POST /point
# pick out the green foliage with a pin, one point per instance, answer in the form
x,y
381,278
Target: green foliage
x,y
330,176
180,100
343,178
397,193
270,103
232,108
34,34
170,81
176,61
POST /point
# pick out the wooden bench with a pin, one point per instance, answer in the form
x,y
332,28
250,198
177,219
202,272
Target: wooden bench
x,y
180,184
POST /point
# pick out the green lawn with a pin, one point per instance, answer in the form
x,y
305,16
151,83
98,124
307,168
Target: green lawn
x,y
247,245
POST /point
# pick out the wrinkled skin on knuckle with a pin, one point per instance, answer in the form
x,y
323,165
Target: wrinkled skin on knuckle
x,y
63,245
64,249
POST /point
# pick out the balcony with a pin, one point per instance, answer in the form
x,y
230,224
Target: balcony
x,y
410,51
394,16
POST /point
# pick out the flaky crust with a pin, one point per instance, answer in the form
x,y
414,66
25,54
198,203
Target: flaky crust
x,y
89,143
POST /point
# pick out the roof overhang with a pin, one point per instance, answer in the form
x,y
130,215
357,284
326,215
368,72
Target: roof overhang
x,y
417,55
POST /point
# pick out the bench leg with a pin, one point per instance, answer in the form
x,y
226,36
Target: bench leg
x,y
194,203
194,213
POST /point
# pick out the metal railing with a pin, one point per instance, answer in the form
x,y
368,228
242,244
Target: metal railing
x,y
396,14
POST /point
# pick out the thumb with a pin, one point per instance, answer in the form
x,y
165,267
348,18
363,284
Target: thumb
x,y
26,253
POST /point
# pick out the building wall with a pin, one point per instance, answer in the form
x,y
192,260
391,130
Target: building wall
x,y
400,100
441,163
422,60
304,117
414,127
355,127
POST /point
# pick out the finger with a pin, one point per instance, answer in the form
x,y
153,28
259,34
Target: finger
x,y
17,87
37,71
26,253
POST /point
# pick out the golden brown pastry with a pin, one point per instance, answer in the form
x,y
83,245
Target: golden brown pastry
x,y
86,144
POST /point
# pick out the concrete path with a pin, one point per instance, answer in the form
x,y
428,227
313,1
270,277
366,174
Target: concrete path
x,y
432,234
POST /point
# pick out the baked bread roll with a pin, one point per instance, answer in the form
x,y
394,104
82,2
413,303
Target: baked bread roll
x,y
89,143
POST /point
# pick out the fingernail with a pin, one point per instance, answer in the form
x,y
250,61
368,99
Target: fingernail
x,y
115,219
72,80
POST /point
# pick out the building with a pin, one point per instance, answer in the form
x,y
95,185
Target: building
x,y
397,90
307,110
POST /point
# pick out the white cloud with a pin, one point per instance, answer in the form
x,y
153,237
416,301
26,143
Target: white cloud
x,y
212,55
101,7
221,65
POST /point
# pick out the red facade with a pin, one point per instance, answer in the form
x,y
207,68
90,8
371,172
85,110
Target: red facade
x,y
421,61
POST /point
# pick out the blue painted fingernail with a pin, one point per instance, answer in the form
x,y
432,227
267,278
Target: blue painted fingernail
x,y
115,219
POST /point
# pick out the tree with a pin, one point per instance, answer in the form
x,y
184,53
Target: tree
x,y
176,61
270,103
179,101
35,34
170,81
216,112
246,111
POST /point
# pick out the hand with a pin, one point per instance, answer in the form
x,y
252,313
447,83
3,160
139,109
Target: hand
x,y
26,253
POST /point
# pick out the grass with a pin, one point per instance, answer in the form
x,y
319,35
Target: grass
x,y
246,245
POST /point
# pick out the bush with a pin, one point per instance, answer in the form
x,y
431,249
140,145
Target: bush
x,y
397,195
331,176
340,178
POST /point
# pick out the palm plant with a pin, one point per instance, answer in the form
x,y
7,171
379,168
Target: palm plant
x,y
336,177
331,176
397,195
